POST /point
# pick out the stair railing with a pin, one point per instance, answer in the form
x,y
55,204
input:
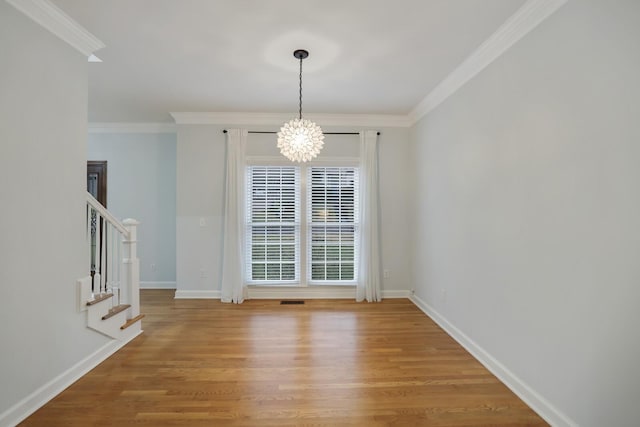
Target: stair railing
x,y
114,263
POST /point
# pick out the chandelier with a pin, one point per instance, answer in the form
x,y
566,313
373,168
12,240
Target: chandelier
x,y
300,140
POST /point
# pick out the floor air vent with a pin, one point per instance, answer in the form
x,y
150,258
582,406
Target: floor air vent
x,y
292,302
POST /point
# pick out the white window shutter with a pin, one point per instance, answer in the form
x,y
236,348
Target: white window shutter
x,y
332,221
273,224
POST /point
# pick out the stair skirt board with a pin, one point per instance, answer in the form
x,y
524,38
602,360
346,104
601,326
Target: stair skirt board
x,y
102,316
110,326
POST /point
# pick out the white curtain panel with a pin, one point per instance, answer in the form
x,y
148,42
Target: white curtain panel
x,y
369,264
233,287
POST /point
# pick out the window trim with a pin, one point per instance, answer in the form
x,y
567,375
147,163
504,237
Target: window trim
x,y
249,227
356,227
304,277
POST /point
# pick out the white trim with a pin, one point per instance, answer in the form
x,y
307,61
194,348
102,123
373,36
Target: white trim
x,y
528,17
396,293
287,292
277,119
44,394
132,128
316,292
361,120
157,285
184,294
543,407
50,17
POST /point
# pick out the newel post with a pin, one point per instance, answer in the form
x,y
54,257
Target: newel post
x,y
132,265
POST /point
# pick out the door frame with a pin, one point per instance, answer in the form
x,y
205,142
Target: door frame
x,y
99,167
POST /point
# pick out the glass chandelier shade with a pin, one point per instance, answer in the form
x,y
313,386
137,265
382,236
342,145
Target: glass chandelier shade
x,y
300,140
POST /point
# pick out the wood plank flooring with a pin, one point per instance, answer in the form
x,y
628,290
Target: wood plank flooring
x,y
324,363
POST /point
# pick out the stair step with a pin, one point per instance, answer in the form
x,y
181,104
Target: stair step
x,y
115,310
99,298
131,321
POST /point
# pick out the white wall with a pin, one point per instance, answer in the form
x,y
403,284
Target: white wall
x,y
200,192
43,113
527,218
200,196
141,184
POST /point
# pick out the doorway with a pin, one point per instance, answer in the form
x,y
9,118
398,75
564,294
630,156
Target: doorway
x,y
97,180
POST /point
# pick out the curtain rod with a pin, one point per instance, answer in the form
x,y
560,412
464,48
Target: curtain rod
x,y
325,133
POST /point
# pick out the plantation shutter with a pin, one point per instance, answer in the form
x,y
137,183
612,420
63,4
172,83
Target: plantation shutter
x,y
332,221
273,224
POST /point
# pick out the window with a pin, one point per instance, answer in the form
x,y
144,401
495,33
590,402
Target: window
x,y
273,231
332,220
309,207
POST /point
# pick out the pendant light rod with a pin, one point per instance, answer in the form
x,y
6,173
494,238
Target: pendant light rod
x,y
300,140
300,54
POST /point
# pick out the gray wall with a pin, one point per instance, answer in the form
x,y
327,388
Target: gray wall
x,y
141,175
527,211
200,195
43,113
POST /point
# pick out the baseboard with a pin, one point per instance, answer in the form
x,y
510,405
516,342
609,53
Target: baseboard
x,y
399,293
182,294
272,292
27,406
157,285
538,403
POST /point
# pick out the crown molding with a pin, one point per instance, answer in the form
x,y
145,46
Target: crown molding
x,y
528,17
525,19
261,119
49,16
132,128
228,118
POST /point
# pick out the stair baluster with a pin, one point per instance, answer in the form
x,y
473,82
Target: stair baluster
x,y
111,295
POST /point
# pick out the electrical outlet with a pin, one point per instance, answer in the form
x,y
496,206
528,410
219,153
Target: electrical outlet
x,y
386,274
203,273
203,222
154,267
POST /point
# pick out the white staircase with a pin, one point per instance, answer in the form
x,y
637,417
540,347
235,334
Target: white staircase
x,y
111,294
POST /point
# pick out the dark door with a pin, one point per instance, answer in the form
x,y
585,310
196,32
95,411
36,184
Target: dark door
x,y
97,180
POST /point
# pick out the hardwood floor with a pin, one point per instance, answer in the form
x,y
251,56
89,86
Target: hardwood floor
x,y
325,363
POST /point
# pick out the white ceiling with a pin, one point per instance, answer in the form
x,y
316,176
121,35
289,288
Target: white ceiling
x,y
366,56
